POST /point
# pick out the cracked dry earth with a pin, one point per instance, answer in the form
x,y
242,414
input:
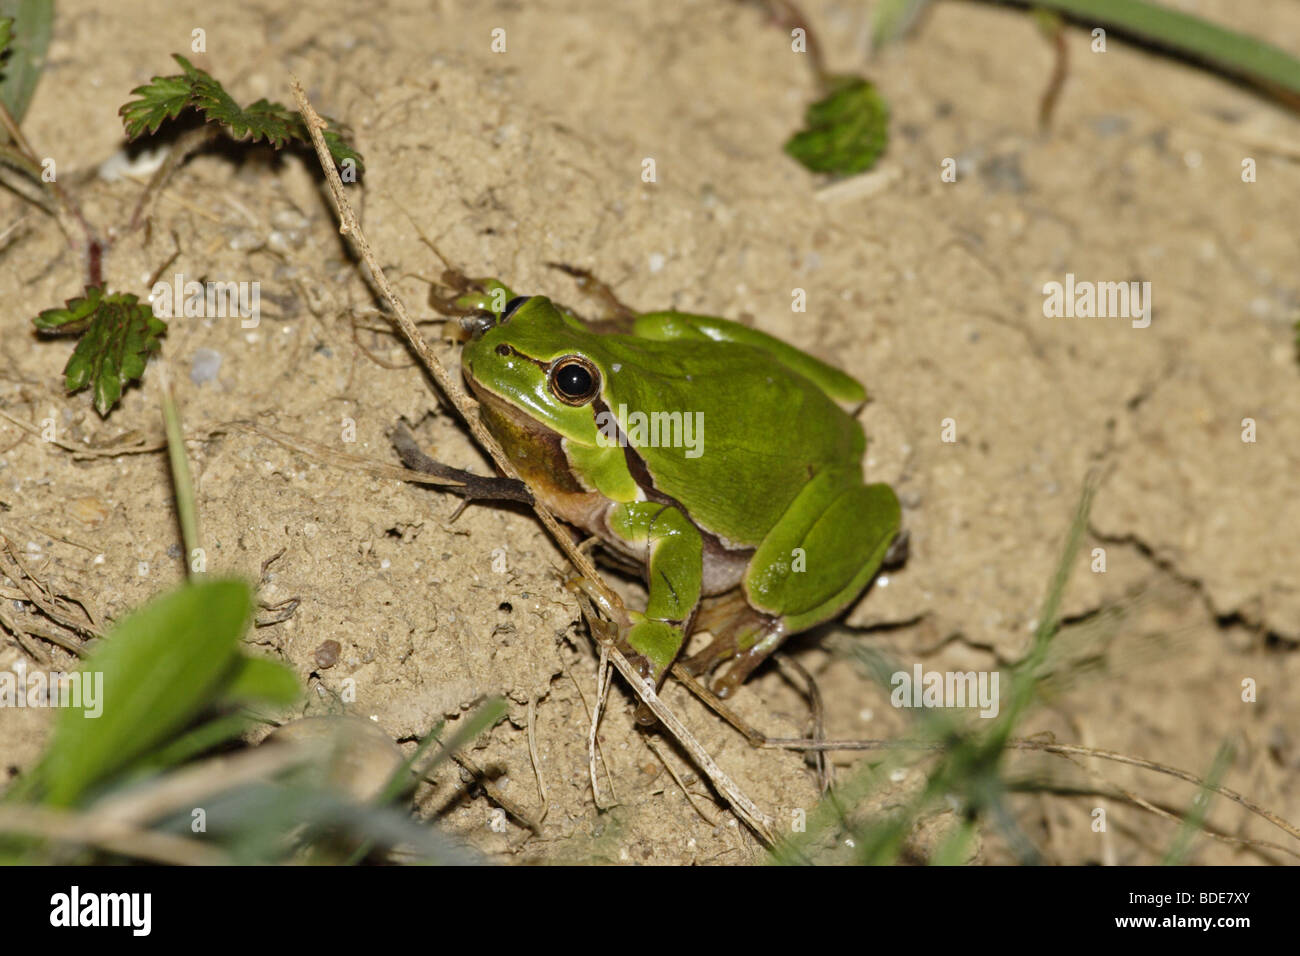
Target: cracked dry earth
x,y
930,292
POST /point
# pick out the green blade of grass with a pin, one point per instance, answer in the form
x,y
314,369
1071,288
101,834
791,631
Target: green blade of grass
x,y
257,680
892,19
187,511
486,716
159,668
1195,818
1236,53
33,23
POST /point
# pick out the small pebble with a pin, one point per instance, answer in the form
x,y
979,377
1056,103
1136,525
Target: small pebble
x,y
327,655
204,366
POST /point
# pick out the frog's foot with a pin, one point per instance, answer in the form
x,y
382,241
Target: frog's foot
x,y
741,635
744,663
598,290
458,295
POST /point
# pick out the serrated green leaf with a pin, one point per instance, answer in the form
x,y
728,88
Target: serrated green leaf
x,y
257,680
27,38
118,334
846,132
6,33
165,97
160,667
262,120
73,317
162,99
339,150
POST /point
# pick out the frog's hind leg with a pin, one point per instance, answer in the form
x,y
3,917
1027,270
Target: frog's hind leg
x,y
841,528
741,635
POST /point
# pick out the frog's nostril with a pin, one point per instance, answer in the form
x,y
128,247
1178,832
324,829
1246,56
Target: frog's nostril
x,y
503,349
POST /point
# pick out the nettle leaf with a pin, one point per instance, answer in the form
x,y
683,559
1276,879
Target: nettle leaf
x,y
118,334
846,132
165,97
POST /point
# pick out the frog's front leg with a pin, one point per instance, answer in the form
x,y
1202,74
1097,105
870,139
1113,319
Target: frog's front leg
x,y
461,295
673,554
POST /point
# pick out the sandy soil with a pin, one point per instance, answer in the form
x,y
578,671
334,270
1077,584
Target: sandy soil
x,y
929,291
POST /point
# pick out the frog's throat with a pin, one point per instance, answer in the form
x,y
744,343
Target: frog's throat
x,y
537,452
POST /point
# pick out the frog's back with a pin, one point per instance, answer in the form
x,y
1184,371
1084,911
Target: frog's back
x,y
760,431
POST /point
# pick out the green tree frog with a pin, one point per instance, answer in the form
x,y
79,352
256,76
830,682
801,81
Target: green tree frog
x,y
723,463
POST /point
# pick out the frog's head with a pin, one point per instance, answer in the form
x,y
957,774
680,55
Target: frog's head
x,y
536,370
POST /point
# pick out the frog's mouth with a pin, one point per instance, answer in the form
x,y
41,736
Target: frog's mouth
x,y
536,451
509,424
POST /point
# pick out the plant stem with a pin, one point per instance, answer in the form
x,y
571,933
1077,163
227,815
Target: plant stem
x,y
66,212
185,146
186,510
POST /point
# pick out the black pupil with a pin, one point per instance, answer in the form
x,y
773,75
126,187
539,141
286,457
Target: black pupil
x,y
513,304
573,380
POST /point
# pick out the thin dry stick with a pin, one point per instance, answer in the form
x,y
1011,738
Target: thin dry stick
x,y
192,785
337,459
21,636
87,830
587,707
65,210
789,666
1161,812
690,798
40,594
787,743
537,760
745,808
714,703
1064,749
494,792
602,689
81,451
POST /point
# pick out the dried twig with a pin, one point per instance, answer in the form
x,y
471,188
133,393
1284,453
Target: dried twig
x,y
494,792
537,760
602,689
1047,746
350,227
86,829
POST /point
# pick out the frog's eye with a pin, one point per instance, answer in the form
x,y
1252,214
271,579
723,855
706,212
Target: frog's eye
x,y
574,380
513,305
